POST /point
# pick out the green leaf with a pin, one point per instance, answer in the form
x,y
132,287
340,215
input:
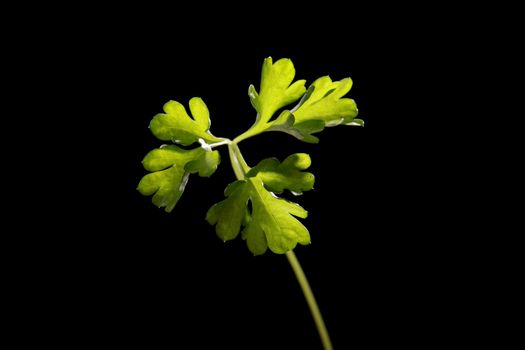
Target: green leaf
x,y
171,167
271,222
276,91
307,128
177,126
326,103
286,123
229,215
166,186
275,217
287,175
205,165
357,122
322,105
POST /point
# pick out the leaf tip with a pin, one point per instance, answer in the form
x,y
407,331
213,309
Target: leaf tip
x,y
356,122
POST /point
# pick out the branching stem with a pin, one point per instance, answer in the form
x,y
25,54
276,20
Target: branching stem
x,y
223,142
240,168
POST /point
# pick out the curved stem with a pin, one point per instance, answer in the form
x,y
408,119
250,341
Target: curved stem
x,y
310,299
255,129
247,134
240,168
217,144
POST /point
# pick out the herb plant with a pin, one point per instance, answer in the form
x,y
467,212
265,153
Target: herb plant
x,y
270,222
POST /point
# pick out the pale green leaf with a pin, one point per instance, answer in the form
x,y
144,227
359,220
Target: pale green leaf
x,y
321,106
166,186
357,122
177,126
326,103
276,218
254,97
287,175
272,221
229,215
276,91
255,239
171,167
286,123
205,165
306,128
200,112
166,156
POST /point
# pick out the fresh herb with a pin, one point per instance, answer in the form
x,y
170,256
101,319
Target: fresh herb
x,y
252,206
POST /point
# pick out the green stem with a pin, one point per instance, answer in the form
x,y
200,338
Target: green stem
x,y
217,144
247,134
310,299
240,168
256,129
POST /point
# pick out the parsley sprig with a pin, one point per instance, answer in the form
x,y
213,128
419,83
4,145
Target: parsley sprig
x,y
252,206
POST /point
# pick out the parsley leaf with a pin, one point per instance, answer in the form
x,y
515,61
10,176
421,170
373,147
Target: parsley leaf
x,y
325,103
276,91
287,175
272,222
176,125
171,167
322,105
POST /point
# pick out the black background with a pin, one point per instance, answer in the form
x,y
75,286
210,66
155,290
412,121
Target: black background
x,y
120,271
